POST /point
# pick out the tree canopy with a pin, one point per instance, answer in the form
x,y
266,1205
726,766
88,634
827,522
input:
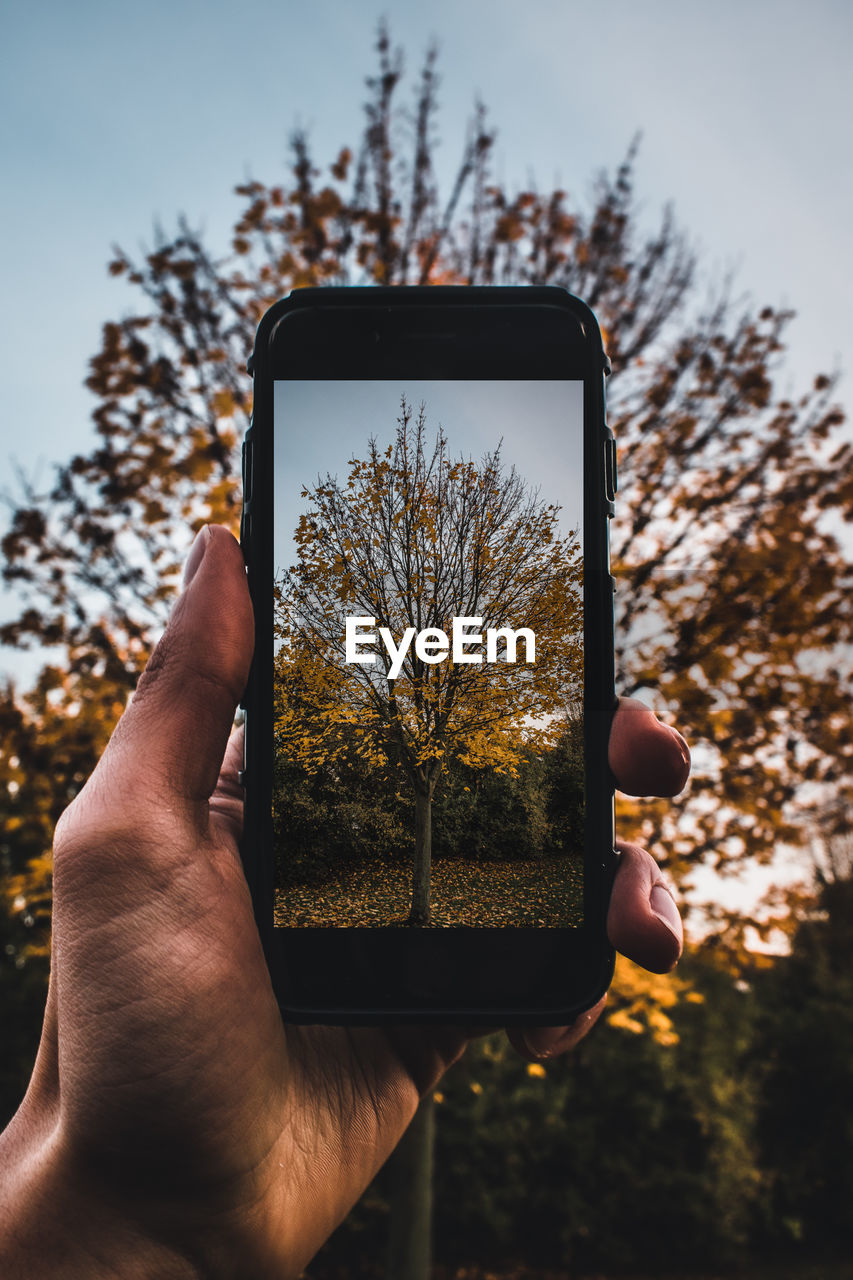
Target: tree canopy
x,y
734,600
414,538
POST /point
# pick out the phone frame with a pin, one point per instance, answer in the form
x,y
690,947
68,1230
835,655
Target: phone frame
x,y
473,975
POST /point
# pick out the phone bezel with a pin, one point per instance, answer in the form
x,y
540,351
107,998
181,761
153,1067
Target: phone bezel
x,y
468,975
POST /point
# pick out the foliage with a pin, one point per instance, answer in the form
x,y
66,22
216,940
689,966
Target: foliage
x,y
537,810
628,1154
720,1147
334,814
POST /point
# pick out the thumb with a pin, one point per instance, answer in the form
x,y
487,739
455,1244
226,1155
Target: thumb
x,y
643,921
170,742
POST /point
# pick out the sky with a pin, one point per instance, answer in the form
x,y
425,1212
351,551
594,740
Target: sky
x,y
115,117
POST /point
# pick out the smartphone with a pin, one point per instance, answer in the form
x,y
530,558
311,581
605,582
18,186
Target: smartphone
x,y
428,480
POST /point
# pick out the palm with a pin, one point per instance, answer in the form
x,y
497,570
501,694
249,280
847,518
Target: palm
x,y
188,1090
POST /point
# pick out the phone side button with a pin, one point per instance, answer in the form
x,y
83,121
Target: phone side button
x,y
248,470
611,482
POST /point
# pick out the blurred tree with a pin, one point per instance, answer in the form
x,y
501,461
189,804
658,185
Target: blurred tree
x,y
410,1175
734,602
804,1047
50,740
635,1154
415,539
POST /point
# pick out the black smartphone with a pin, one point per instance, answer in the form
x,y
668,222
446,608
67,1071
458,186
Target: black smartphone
x,y
428,479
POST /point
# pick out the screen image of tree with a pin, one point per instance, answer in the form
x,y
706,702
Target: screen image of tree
x,y
428,655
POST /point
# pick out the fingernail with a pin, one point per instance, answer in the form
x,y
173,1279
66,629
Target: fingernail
x,y
542,1042
664,909
682,745
196,554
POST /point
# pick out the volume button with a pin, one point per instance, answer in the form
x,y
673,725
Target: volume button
x,y
610,477
248,470
611,480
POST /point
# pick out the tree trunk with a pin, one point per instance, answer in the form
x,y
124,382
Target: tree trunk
x,y
410,1226
419,913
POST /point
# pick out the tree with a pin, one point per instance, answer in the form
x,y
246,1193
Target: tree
x,y
415,539
734,600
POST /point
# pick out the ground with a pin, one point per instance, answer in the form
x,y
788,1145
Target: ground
x,y
537,893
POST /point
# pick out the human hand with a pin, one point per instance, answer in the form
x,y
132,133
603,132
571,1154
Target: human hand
x,y
174,1126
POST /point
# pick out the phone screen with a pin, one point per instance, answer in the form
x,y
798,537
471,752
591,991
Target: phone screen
x,y
428,661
